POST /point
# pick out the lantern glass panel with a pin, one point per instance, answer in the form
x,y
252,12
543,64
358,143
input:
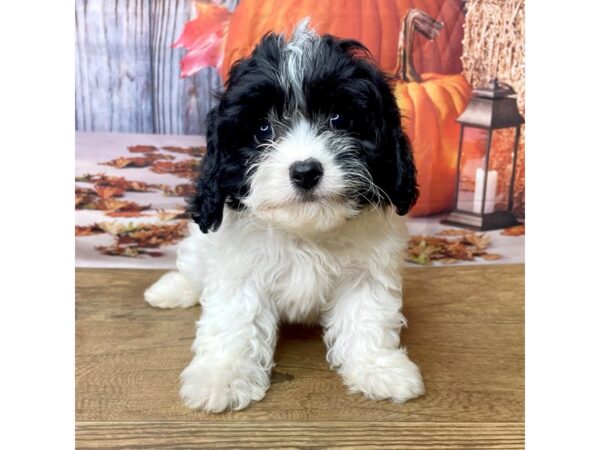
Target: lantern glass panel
x,y
472,164
501,166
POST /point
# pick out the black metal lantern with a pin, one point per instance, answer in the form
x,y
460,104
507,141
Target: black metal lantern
x,y
490,128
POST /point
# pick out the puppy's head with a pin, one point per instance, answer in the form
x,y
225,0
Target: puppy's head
x,y
306,136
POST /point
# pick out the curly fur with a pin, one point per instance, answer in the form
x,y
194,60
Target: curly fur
x,y
266,251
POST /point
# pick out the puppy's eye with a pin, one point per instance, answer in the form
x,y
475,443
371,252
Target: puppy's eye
x,y
264,131
338,122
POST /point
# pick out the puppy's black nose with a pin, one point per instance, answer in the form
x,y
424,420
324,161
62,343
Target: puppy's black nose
x,y
306,174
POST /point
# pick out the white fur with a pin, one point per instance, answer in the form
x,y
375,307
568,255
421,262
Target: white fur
x,y
274,200
249,276
172,291
298,52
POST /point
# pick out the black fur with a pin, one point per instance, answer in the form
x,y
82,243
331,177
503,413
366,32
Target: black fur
x,y
343,79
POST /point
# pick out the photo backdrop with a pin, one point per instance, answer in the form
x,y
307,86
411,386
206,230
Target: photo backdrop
x,y
150,68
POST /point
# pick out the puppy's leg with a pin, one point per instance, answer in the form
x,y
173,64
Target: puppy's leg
x,y
362,333
172,290
234,345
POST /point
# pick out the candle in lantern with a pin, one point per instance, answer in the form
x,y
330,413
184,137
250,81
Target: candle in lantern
x,y
490,192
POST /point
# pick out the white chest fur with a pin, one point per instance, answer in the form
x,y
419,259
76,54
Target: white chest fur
x,y
297,273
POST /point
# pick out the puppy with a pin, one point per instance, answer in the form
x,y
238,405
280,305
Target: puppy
x,y
297,218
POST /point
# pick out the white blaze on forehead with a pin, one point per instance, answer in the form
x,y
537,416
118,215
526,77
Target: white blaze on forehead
x,y
302,142
298,53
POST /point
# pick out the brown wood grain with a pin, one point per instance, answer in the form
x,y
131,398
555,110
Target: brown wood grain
x,y
465,331
301,435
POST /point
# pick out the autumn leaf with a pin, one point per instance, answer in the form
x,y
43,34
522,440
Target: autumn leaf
x,y
204,38
84,191
125,214
102,180
87,230
457,250
84,197
142,148
185,190
491,256
165,216
112,204
183,169
518,230
130,251
480,241
138,161
106,192
116,228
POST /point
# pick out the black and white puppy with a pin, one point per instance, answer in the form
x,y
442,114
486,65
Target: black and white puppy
x,y
306,175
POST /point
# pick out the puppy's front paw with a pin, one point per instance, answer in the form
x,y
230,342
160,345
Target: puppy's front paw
x,y
386,376
215,387
172,290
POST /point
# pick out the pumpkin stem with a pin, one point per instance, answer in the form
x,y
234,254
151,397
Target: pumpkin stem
x,y
414,20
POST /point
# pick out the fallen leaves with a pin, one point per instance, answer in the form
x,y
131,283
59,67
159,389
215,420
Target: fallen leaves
x,y
115,227
134,240
142,148
479,241
102,180
181,190
191,151
86,198
88,230
183,169
134,213
122,205
153,235
518,230
165,216
184,190
465,247
107,189
129,251
491,256
137,161
107,192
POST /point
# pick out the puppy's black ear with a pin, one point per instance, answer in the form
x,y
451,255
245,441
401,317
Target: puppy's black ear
x,y
405,191
399,166
206,206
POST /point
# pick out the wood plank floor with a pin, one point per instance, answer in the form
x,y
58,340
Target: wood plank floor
x,y
465,332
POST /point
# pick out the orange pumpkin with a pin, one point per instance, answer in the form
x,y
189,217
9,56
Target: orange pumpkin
x,y
218,38
430,109
430,104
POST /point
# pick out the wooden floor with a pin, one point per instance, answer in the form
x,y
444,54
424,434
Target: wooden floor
x,y
465,332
